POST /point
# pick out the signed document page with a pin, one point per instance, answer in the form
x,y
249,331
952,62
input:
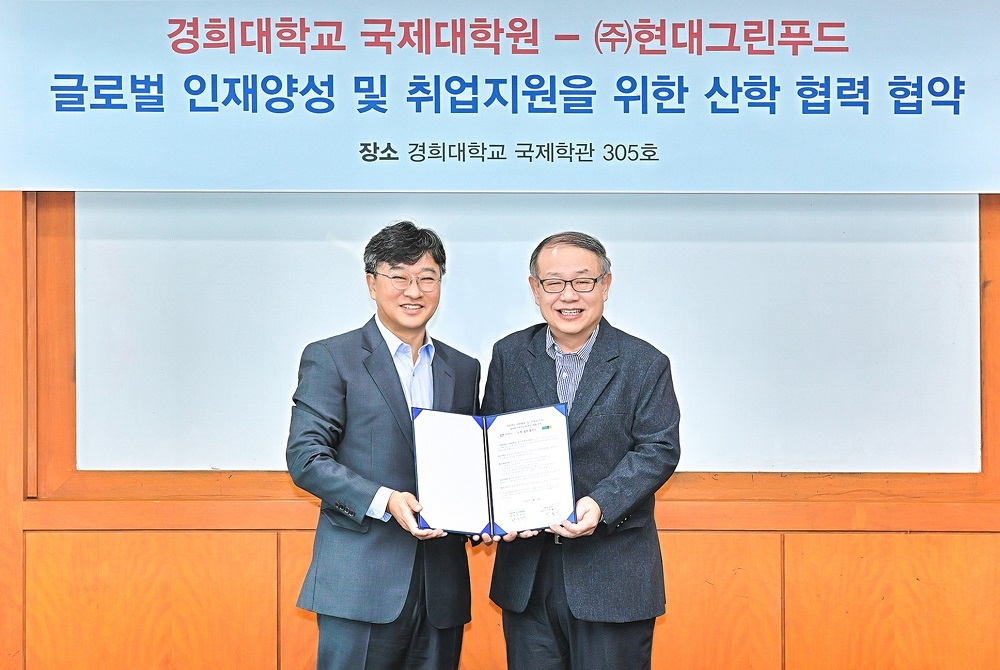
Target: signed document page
x,y
451,472
495,474
531,474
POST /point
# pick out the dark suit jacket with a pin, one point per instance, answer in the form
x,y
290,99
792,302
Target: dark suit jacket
x,y
624,442
351,433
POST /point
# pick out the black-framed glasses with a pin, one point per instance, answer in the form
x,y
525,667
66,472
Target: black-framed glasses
x,y
402,282
580,284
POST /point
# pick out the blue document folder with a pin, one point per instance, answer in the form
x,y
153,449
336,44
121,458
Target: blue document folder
x,y
494,474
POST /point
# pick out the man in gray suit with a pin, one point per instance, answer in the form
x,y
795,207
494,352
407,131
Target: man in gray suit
x,y
387,593
585,595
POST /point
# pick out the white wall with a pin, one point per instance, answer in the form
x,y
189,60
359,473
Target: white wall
x,y
807,332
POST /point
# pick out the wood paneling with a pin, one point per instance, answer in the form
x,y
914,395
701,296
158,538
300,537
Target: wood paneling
x,y
723,602
56,328
170,514
297,628
13,428
847,515
887,601
31,345
222,595
483,647
989,301
151,600
675,515
723,605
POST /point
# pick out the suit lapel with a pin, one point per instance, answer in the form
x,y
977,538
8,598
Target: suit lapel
x,y
597,374
542,370
444,381
378,362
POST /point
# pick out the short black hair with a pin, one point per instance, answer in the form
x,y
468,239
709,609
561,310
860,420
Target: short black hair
x,y
571,239
403,243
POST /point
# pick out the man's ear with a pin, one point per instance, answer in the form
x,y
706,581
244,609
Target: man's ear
x,y
370,280
535,288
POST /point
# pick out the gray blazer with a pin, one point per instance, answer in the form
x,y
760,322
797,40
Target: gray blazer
x,y
351,433
624,444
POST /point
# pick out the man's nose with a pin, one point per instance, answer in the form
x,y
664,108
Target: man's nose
x,y
568,292
413,289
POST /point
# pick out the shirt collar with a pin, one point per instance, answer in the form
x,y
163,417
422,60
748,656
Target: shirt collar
x,y
394,342
553,349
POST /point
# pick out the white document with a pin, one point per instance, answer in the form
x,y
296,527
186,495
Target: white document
x,y
495,474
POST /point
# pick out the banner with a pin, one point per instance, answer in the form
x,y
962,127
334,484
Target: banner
x,y
576,96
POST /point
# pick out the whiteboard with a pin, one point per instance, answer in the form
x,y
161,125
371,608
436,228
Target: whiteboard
x,y
807,333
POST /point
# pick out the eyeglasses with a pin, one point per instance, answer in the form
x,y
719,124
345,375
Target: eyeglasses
x,y
402,282
580,284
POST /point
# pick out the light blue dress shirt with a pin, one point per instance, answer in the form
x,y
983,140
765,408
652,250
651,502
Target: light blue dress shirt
x,y
418,387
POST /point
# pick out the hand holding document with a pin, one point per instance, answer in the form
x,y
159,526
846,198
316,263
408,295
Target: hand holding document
x,y
493,475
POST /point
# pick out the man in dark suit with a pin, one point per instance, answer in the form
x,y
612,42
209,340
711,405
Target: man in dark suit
x,y
387,593
585,595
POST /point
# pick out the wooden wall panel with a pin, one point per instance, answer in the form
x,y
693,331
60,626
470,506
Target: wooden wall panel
x,y
888,600
483,647
297,636
117,598
723,602
13,428
181,601
56,359
723,605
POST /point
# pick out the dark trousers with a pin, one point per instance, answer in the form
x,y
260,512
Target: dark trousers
x,y
546,636
410,642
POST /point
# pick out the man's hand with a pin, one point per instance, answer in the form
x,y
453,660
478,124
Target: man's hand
x,y
403,507
509,537
588,515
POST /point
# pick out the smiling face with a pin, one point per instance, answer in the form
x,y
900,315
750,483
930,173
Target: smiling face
x,y
405,312
572,316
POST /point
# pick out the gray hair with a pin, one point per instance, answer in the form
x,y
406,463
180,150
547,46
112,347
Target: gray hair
x,y
572,239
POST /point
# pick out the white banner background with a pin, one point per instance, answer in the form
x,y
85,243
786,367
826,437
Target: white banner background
x,y
59,44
